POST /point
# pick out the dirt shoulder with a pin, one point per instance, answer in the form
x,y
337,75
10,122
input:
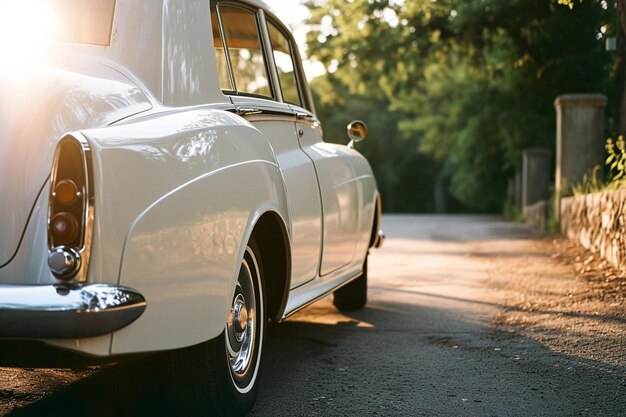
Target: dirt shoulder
x,y
564,297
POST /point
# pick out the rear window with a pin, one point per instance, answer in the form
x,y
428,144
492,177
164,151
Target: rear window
x,y
84,21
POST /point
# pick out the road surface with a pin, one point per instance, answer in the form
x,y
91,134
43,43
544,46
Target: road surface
x,y
467,316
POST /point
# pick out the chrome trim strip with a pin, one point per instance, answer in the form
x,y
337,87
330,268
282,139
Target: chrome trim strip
x,y
307,117
269,57
318,297
85,251
66,311
248,111
245,111
229,64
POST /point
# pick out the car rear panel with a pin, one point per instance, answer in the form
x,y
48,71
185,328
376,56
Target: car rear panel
x,y
37,107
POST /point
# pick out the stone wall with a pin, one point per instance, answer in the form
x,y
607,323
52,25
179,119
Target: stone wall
x,y
598,222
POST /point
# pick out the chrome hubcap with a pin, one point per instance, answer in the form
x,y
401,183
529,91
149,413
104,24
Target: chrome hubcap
x,y
241,327
240,318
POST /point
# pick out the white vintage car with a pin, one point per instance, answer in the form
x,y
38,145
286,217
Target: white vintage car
x,y
166,187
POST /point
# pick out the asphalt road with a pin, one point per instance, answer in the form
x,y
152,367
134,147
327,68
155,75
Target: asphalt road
x,y
427,344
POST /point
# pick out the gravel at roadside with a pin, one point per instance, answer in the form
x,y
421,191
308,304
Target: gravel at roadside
x,y
564,297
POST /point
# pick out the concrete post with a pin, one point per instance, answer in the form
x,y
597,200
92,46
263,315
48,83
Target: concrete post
x,y
536,168
579,139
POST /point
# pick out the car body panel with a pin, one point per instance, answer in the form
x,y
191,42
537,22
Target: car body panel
x,y
278,124
340,194
63,99
182,173
188,267
139,162
190,161
187,62
176,68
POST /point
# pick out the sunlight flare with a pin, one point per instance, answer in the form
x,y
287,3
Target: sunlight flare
x,y
27,28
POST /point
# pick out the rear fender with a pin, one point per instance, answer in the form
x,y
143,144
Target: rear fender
x,y
177,195
187,266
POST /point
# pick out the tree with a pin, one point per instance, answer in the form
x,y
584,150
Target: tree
x,y
476,79
405,177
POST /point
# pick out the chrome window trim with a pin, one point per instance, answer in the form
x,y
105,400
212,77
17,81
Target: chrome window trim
x,y
295,59
269,57
262,19
229,65
262,33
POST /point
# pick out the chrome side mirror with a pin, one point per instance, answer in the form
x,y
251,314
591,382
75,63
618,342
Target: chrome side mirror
x,y
357,131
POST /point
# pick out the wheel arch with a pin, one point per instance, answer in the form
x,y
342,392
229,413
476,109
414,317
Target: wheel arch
x,y
375,237
271,234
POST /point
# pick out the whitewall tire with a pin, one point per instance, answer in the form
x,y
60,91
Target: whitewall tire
x,y
221,377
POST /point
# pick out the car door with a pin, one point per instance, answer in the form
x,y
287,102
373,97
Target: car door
x,y
335,174
339,188
249,77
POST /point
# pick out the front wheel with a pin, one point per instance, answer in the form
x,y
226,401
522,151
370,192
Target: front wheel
x,y
352,296
220,377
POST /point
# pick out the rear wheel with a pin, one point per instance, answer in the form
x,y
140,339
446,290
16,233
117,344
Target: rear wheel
x,y
352,296
220,377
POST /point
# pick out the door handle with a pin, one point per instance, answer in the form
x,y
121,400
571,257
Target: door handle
x,y
306,116
247,111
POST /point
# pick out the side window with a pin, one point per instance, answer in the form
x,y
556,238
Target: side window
x,y
283,56
243,44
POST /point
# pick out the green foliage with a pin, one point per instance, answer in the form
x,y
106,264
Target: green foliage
x,y
568,3
616,162
405,177
616,170
474,80
591,183
512,212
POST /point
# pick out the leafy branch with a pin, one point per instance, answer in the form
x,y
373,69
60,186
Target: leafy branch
x,y
616,161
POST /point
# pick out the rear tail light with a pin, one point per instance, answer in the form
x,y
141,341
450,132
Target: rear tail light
x,y
66,192
71,209
64,228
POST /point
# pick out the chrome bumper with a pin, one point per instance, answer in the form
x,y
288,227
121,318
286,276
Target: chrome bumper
x,y
63,311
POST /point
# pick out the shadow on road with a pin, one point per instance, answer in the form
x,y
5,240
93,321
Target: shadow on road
x,y
128,389
390,359
399,359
